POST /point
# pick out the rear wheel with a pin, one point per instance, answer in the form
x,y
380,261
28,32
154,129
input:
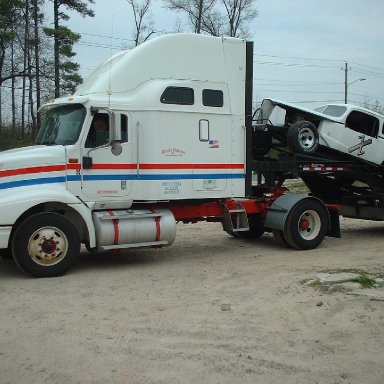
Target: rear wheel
x,y
279,237
306,224
45,245
303,137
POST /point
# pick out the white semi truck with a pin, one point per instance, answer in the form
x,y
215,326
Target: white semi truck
x,y
177,147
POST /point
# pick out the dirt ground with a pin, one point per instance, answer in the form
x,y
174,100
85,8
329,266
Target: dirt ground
x,y
156,316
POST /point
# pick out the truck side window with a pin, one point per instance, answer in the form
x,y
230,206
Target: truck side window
x,y
124,128
99,132
213,98
178,95
363,123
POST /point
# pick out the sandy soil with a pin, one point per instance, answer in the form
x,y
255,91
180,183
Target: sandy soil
x,y
155,316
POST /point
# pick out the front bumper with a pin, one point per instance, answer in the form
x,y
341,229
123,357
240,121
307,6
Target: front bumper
x,y
5,234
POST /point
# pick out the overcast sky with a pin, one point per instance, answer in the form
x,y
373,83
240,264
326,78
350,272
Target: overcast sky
x,y
300,46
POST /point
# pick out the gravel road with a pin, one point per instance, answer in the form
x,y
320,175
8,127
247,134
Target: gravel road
x,y
209,309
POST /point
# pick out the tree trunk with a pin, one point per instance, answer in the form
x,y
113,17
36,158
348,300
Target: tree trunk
x,y
25,63
13,97
56,48
37,60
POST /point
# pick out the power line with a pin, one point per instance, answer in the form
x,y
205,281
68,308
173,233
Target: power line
x,y
292,91
368,66
298,58
298,82
294,64
369,73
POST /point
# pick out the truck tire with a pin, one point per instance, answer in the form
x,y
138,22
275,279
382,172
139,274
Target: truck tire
x,y
303,137
45,245
306,224
6,253
262,144
279,237
256,229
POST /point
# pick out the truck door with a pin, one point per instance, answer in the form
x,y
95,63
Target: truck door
x,y
107,170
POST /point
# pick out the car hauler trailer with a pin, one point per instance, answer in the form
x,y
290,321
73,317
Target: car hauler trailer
x,y
175,144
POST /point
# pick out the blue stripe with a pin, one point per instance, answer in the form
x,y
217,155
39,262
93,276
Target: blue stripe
x,y
74,178
192,177
24,183
168,176
108,177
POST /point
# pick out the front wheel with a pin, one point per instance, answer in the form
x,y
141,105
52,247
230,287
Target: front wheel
x,y
306,224
303,137
45,245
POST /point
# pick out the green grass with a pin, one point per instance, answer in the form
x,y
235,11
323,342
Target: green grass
x,y
365,281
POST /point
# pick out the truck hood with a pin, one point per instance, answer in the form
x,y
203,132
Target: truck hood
x,y
39,155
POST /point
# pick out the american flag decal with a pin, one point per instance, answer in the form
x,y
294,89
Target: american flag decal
x,y
214,144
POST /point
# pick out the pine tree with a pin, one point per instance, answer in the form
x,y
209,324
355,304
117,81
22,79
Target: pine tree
x,y
66,71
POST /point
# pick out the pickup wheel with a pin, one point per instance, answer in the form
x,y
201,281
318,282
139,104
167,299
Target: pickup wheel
x,y
45,245
303,137
6,253
306,224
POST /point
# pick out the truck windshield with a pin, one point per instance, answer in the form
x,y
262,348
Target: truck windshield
x,y
61,125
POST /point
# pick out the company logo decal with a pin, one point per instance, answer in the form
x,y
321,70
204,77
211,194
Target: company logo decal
x,y
173,152
359,147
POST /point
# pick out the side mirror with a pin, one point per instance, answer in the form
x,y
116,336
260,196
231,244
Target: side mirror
x,y
87,162
116,148
115,128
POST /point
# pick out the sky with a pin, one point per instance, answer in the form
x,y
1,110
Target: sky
x,y
300,46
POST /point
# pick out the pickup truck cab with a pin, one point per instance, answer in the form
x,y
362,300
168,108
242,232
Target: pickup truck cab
x,y
342,131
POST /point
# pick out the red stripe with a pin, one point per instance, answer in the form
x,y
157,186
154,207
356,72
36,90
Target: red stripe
x,y
115,228
121,166
114,166
191,166
158,229
24,171
74,166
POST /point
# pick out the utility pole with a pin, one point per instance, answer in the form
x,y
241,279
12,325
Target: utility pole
x,y
346,83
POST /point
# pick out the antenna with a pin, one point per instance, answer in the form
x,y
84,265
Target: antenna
x,y
109,92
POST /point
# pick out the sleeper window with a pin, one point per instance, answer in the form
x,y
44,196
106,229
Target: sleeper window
x,y
178,95
213,98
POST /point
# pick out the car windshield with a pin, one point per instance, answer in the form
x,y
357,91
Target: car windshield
x,y
61,125
332,110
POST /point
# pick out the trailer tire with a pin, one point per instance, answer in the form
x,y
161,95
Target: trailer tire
x,y
306,224
303,137
45,245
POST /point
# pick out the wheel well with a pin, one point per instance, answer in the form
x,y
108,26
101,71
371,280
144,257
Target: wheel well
x,y
61,209
294,116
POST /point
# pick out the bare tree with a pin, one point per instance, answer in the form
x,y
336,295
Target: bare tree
x,y
239,14
214,23
195,10
144,28
217,17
